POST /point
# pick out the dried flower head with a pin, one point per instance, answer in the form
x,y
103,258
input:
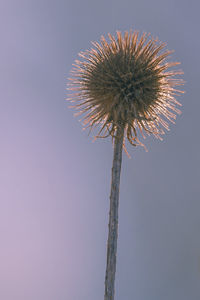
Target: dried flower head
x,y
125,83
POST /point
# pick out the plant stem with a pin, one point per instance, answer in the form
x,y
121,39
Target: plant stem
x,y
113,217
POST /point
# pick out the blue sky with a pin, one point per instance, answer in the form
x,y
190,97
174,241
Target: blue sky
x,y
55,182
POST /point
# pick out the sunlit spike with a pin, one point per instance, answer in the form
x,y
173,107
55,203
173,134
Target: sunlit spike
x,y
126,81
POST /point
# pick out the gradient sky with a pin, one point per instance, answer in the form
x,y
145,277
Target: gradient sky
x,y
55,183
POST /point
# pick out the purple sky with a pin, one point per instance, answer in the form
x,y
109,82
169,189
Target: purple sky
x,y
55,183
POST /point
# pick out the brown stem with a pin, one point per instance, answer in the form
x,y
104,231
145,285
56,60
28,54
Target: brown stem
x,y
113,217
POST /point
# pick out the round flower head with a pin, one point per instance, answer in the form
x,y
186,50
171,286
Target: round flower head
x,y
125,83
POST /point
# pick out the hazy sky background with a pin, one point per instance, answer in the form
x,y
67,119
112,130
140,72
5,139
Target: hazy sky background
x,y
55,183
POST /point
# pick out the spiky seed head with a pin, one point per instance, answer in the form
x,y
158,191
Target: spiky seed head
x,y
125,83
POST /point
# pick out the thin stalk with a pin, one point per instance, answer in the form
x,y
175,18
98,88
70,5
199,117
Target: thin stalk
x,y
113,217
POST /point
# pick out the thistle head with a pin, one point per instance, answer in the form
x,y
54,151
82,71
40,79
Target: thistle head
x,y
125,83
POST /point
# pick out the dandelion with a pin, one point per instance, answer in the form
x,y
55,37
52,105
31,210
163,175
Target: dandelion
x,y
125,88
